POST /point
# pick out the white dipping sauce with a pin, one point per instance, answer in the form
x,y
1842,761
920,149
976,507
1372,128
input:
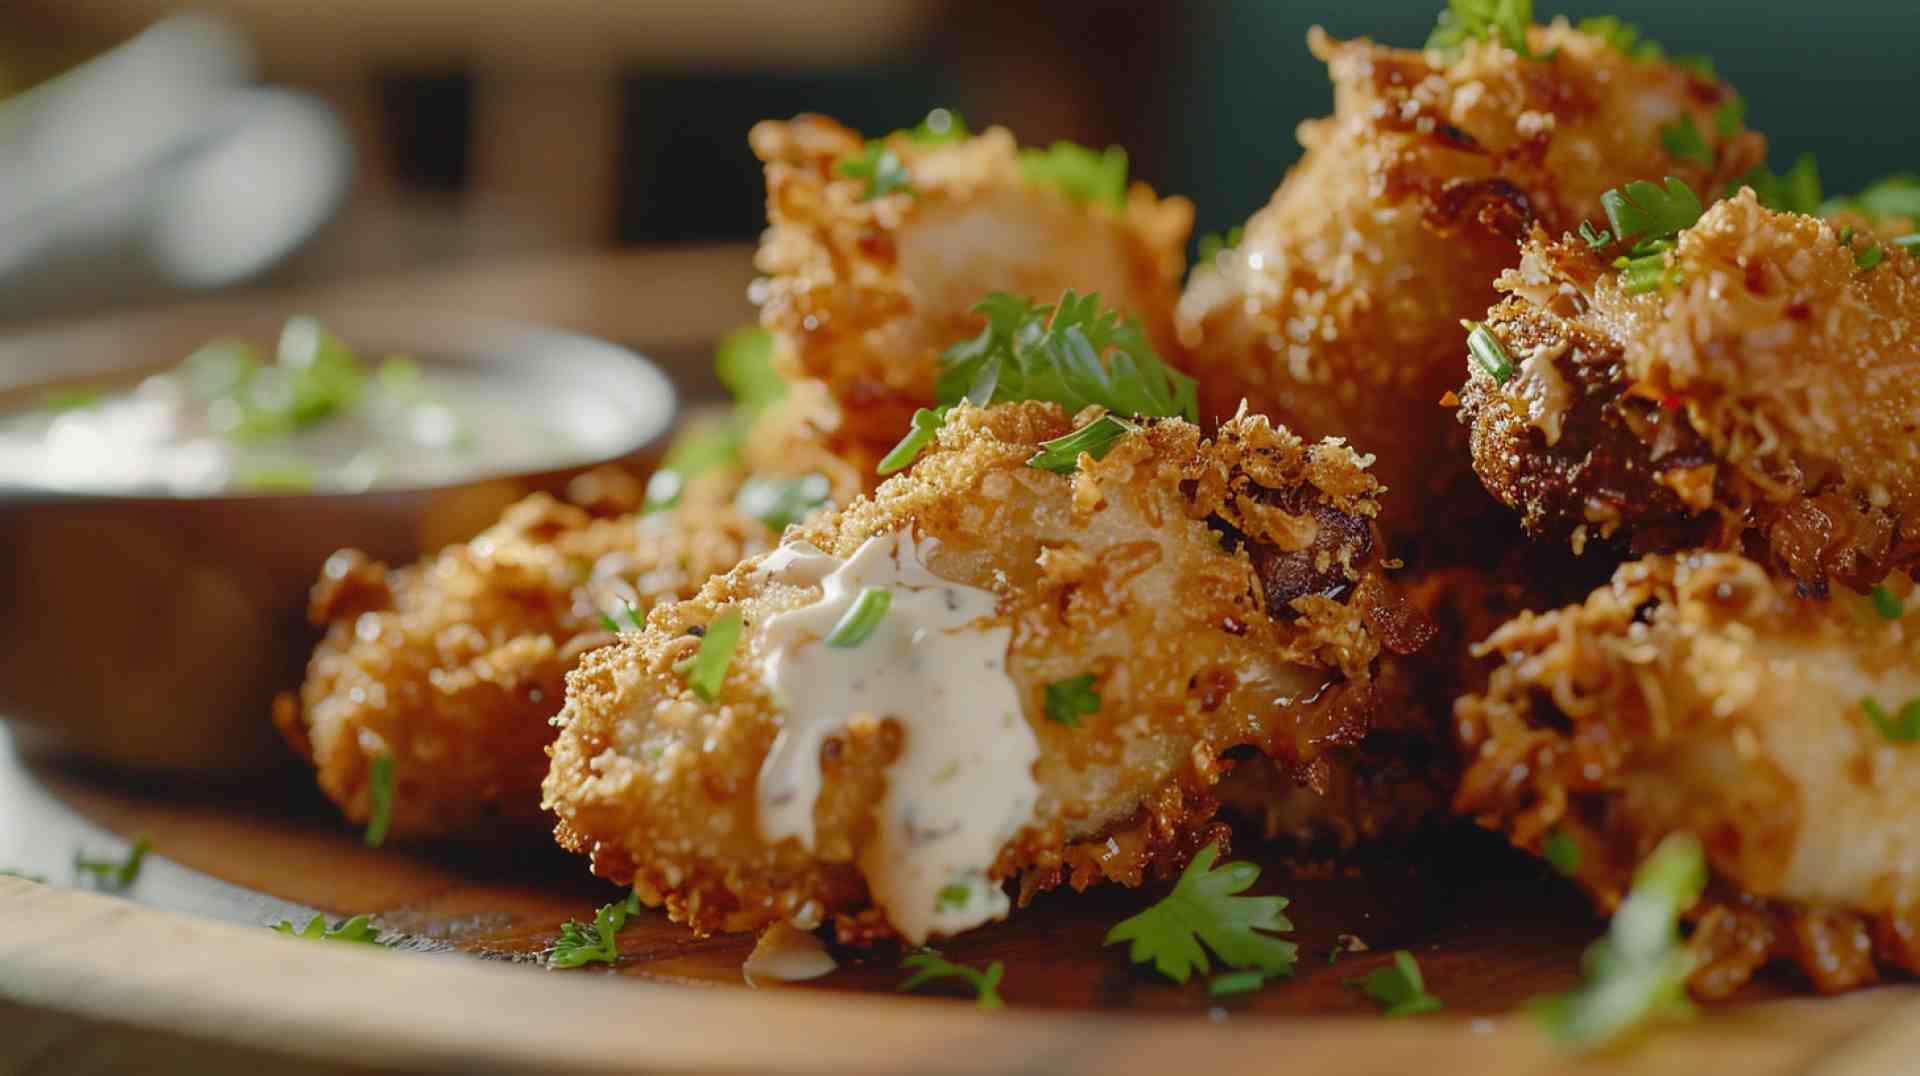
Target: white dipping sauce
x,y
786,954
963,785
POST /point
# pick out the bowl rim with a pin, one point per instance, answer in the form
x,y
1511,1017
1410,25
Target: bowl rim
x,y
468,343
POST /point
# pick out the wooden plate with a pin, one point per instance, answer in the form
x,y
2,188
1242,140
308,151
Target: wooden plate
x,y
186,969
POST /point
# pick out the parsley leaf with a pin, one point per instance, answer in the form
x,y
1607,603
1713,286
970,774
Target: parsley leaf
x,y
1683,140
1887,603
1562,851
597,942
706,671
1229,984
1797,191
1082,174
1203,908
928,964
861,619
1399,987
1730,115
1464,20
1074,354
1903,727
1070,699
113,875
1489,353
779,502
357,930
380,800
881,167
1642,212
1639,970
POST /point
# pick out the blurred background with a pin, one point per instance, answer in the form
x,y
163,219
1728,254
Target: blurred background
x,y
287,142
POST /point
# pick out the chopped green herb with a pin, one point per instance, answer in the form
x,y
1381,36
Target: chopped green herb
x,y
1798,191
1868,257
1903,727
1203,907
779,502
68,399
280,476
1074,354
941,125
1624,37
1730,115
1213,244
1562,851
1489,353
1399,987
1682,141
596,942
1646,272
1886,602
1229,984
743,360
928,965
357,930
1082,174
1070,699
380,799
113,875
1505,21
708,669
1062,454
1595,240
881,167
1638,972
610,624
1643,212
956,895
862,619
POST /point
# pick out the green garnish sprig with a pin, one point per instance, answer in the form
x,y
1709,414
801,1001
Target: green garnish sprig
x,y
1067,701
780,501
1488,353
113,875
1900,727
380,800
1399,987
1638,972
880,165
743,360
1074,354
1651,218
358,930
706,670
861,619
1093,177
928,965
598,942
1797,190
1505,21
1204,913
1886,602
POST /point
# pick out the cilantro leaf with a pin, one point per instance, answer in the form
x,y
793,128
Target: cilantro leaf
x,y
1203,907
1070,699
113,875
596,942
1901,727
928,965
1595,240
1729,116
1399,987
882,168
380,800
779,502
1082,174
1643,212
357,930
1683,140
1503,20
1229,984
706,671
1797,191
1638,972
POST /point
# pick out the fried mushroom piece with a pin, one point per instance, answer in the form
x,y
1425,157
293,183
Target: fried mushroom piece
x,y
866,293
453,667
1698,693
1339,310
1765,400
1218,594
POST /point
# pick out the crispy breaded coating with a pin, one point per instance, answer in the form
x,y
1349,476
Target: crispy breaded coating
x,y
1339,310
1766,399
452,667
1698,693
866,294
1219,593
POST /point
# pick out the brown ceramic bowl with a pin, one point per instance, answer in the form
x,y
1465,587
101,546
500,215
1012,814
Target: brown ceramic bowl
x,y
151,632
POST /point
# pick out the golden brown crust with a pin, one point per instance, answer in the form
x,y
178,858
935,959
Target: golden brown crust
x,y
1124,569
1767,401
1697,693
866,295
1339,311
453,667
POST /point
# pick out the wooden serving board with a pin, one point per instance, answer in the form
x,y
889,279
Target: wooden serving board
x,y
184,969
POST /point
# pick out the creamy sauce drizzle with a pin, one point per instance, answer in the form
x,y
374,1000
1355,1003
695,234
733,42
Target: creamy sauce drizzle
x,y
963,784
786,954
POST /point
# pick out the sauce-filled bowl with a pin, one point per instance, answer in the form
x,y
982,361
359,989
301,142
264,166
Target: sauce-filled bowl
x,y
157,549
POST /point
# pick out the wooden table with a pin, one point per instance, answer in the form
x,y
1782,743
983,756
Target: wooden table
x,y
182,977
